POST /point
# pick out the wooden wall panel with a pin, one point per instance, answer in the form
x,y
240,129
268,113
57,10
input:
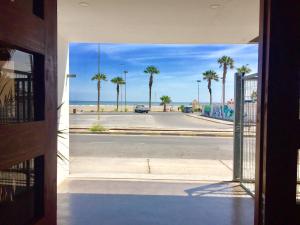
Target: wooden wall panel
x,y
22,29
278,133
24,141
21,142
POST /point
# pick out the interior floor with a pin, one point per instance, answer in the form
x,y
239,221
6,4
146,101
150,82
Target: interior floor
x,y
123,202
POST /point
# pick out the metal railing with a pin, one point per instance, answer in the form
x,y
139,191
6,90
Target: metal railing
x,y
248,131
245,130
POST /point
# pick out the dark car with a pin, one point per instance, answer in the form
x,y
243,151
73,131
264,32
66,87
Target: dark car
x,y
141,109
188,109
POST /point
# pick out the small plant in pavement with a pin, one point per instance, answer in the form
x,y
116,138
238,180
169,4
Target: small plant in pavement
x,y
97,128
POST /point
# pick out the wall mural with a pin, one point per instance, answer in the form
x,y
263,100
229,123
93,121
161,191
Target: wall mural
x,y
215,111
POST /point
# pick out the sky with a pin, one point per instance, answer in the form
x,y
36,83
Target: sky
x,y
180,67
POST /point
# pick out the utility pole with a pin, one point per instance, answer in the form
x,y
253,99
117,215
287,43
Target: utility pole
x,y
99,58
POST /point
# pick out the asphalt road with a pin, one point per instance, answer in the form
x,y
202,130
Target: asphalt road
x,y
152,120
168,147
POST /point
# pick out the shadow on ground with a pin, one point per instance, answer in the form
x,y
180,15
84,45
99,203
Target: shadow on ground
x,y
149,203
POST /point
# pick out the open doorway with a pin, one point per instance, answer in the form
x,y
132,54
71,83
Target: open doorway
x,y
155,111
183,136
28,103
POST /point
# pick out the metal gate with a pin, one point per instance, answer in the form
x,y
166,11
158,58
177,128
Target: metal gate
x,y
245,130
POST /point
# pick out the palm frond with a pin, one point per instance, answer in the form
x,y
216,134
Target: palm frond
x,y
210,75
152,70
99,77
118,80
244,69
165,99
7,89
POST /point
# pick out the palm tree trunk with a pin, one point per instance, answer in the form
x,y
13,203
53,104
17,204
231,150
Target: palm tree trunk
x,y
118,90
223,89
210,97
98,103
150,90
223,96
165,107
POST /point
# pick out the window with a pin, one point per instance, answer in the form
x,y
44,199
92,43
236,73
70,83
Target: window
x,y
21,89
21,191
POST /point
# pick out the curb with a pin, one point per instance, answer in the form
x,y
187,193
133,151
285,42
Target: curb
x,y
205,134
137,129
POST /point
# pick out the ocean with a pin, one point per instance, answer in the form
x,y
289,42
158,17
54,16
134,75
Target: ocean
x,y
129,103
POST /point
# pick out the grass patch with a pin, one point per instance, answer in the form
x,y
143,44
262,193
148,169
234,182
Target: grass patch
x,y
97,128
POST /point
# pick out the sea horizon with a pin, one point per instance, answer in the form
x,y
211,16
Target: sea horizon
x,y
129,103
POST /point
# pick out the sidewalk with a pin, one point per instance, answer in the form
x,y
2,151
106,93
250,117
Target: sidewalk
x,y
151,169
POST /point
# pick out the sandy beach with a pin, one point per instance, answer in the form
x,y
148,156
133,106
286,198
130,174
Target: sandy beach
x,y
113,108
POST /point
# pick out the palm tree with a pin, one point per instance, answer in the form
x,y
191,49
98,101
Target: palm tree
x,y
164,101
118,81
210,76
244,70
99,77
226,63
151,70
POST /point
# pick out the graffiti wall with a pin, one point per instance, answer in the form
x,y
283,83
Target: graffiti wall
x,y
215,111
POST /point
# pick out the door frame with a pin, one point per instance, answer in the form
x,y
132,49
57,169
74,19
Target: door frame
x,y
278,113
24,141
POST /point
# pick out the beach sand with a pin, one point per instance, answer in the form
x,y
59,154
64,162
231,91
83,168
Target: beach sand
x,y
112,108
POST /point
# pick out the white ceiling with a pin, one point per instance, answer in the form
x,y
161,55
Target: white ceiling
x,y
159,21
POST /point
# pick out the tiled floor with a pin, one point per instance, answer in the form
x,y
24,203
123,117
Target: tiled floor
x,y
107,202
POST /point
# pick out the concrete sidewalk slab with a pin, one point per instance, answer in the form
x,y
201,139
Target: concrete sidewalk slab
x,y
152,168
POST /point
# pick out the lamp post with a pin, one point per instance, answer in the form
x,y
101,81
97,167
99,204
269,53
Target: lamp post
x,y
125,73
198,81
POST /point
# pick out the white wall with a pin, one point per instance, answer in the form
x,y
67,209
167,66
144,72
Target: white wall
x,y
63,114
160,21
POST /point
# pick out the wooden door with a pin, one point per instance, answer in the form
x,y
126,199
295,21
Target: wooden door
x,y
278,124
28,112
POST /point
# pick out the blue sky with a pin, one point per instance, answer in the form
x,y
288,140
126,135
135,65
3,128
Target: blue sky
x,y
180,66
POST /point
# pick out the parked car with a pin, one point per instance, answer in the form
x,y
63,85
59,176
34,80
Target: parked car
x,y
188,109
141,109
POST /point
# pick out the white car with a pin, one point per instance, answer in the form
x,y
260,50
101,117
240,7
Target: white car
x,y
141,109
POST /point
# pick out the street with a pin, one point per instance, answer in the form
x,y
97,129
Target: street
x,y
154,157
159,120
169,147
